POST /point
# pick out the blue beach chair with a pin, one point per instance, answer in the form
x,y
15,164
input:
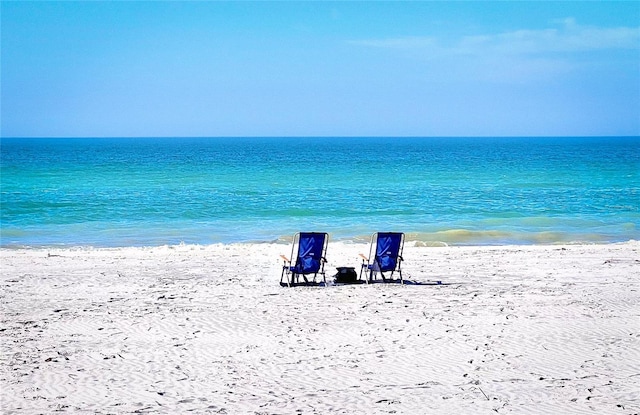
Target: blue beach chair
x,y
309,250
387,257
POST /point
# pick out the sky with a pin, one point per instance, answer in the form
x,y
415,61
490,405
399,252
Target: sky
x,y
358,68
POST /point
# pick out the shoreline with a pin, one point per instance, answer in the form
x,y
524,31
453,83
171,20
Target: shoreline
x,y
207,329
154,235
287,239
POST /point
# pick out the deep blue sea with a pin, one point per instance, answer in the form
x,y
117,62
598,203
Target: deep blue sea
x,y
112,192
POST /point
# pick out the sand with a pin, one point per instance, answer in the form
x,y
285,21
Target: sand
x,y
208,329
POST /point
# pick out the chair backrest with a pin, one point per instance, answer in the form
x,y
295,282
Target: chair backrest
x,y
388,250
311,251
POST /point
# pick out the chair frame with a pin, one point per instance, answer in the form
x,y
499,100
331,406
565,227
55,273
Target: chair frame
x,y
293,277
369,263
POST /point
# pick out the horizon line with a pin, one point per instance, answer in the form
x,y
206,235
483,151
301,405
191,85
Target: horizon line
x,y
322,136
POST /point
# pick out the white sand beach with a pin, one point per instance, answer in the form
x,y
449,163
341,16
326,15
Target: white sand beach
x,y
208,329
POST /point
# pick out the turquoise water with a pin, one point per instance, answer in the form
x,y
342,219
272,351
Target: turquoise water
x,y
456,191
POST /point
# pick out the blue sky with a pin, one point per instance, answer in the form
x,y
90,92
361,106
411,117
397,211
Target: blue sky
x,y
320,68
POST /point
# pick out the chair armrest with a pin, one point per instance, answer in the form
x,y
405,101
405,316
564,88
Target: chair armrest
x,y
285,258
364,257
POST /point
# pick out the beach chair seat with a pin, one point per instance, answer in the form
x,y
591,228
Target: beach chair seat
x,y
307,260
385,256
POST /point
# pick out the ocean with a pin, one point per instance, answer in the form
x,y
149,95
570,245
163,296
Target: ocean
x,y
115,192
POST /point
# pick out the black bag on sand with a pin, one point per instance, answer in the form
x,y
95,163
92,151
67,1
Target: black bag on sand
x,y
346,275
